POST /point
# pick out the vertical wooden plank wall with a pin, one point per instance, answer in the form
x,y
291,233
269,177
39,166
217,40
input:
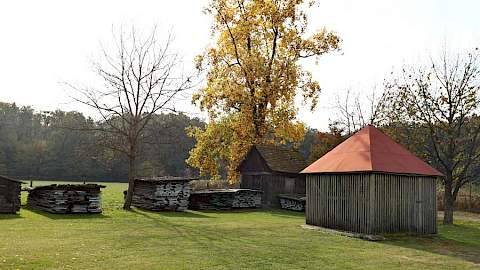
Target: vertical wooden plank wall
x,y
372,203
272,185
9,197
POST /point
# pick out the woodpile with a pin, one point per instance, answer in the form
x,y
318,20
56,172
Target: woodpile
x,y
63,199
162,193
225,199
294,202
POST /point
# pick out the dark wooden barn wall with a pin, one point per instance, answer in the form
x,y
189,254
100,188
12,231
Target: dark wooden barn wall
x,y
272,185
9,196
372,203
254,163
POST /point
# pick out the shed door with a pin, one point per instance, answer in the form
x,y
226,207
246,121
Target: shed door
x,y
290,185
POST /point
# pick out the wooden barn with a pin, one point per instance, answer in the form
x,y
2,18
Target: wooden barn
x,y
369,184
273,170
9,195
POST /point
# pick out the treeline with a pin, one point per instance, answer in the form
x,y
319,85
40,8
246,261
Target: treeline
x,y
65,145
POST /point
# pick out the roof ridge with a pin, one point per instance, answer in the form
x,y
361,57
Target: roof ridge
x,y
369,149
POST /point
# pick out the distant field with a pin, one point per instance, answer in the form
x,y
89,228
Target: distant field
x,y
257,239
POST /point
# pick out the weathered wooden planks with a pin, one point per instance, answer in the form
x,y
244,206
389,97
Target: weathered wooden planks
x,y
372,203
273,185
225,199
9,195
294,202
162,193
62,199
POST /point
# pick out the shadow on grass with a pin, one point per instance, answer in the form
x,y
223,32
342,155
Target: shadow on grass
x,y
286,213
185,214
10,216
58,216
205,235
232,211
460,241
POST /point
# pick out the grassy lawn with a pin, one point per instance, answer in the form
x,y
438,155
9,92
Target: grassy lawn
x,y
258,239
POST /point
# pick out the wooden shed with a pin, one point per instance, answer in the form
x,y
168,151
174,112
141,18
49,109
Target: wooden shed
x,y
369,184
9,195
274,170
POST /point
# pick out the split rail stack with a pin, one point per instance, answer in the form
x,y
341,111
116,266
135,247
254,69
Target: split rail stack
x,y
162,193
225,199
63,199
294,202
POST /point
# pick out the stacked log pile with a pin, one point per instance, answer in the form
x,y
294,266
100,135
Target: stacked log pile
x,y
225,199
162,193
63,199
294,202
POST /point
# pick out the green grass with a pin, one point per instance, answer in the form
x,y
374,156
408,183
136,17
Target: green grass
x,y
216,240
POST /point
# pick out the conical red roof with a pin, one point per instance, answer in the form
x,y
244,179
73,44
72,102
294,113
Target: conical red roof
x,y
369,150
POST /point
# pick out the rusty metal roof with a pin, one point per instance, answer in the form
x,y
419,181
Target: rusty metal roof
x,y
281,159
369,150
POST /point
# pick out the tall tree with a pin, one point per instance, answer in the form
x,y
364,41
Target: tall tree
x,y
142,77
441,102
253,76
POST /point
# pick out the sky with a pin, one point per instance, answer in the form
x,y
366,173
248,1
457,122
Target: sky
x,y
45,44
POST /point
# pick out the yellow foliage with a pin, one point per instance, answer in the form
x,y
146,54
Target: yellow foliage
x,y
253,76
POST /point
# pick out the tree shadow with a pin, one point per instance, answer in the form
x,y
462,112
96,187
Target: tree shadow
x,y
184,214
59,216
232,211
203,236
286,213
10,216
460,241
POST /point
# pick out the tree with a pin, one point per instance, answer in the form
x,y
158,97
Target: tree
x,y
253,76
142,77
355,110
440,102
325,141
170,143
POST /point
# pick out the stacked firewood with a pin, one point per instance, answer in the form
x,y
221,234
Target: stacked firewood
x,y
225,199
162,193
64,199
294,202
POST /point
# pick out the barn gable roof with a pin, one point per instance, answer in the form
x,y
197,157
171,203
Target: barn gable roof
x,y
370,150
10,179
281,159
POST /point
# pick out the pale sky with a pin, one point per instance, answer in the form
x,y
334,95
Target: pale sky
x,y
45,43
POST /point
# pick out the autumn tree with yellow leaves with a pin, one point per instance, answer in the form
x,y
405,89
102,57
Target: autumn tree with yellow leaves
x,y
253,75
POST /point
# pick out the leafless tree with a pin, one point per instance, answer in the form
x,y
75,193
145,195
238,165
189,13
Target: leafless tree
x,y
142,77
442,100
355,110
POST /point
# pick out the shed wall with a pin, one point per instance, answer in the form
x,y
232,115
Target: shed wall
x,y
9,196
372,203
272,185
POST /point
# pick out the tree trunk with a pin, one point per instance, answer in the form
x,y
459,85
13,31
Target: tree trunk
x,y
448,202
131,180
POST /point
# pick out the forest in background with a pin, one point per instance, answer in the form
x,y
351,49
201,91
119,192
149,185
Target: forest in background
x,y
64,145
